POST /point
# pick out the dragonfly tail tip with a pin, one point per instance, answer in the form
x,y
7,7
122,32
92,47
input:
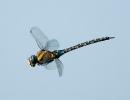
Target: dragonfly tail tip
x,y
111,37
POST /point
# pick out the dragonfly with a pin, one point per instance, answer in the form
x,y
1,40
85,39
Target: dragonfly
x,y
48,55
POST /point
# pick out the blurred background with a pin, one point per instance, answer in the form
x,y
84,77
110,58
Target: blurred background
x,y
97,72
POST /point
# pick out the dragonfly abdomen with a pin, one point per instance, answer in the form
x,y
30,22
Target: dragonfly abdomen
x,y
86,43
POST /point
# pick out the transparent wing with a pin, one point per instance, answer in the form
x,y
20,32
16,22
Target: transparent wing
x,y
52,45
39,36
51,66
59,66
55,64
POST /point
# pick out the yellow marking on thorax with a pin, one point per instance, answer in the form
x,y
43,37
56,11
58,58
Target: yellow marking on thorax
x,y
41,56
52,56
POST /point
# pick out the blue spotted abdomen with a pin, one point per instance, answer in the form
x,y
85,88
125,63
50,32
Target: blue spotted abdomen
x,y
86,43
58,53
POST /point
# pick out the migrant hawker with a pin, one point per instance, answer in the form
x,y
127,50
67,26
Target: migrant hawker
x,y
48,55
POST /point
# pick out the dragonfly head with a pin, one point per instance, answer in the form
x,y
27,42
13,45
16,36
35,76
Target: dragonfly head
x,y
32,60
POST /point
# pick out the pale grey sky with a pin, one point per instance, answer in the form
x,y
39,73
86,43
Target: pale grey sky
x,y
97,72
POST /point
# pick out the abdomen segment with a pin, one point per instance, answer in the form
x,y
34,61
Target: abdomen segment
x,y
87,43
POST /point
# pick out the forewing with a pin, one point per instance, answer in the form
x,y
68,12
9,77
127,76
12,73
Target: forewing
x,y
40,37
59,66
52,45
